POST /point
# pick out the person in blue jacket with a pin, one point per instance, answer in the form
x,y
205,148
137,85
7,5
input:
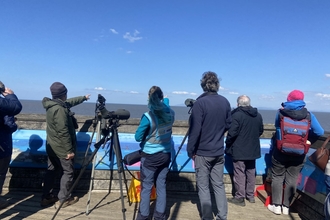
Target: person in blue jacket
x,y
209,121
155,136
9,107
286,168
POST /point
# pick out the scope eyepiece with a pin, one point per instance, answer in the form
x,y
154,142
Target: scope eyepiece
x,y
189,102
101,99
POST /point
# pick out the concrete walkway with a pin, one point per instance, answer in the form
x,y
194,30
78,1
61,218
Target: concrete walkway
x,y
104,205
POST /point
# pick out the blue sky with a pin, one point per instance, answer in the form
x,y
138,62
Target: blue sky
x,y
119,49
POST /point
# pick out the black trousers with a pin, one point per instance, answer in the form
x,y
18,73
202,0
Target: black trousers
x,y
58,166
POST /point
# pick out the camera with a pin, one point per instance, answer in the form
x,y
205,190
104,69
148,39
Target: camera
x,y
2,87
120,114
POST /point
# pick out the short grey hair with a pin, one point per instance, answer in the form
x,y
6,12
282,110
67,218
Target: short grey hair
x,y
243,100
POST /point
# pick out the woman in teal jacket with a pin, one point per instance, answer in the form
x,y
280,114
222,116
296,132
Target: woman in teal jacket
x,y
155,136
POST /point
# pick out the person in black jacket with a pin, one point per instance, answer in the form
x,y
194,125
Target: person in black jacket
x,y
9,107
209,120
243,145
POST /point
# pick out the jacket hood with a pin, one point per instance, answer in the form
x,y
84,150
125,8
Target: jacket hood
x,y
294,105
294,109
48,103
248,110
295,114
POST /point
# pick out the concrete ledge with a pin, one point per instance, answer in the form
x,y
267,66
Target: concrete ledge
x,y
85,123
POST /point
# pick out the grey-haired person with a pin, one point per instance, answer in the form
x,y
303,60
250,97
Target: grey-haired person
x,y
243,146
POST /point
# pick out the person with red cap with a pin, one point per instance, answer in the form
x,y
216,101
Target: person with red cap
x,y
60,145
285,167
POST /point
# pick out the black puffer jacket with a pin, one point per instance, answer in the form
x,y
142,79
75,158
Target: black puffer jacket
x,y
242,142
9,106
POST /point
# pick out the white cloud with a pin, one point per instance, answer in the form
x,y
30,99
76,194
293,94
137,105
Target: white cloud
x,y
327,75
323,95
132,37
99,88
184,93
134,92
113,31
180,92
233,93
267,97
129,51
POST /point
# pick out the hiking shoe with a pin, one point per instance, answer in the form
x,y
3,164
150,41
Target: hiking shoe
x,y
251,200
49,200
274,209
285,210
69,201
236,201
3,203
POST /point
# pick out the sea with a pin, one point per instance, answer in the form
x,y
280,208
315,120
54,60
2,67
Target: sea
x,y
136,111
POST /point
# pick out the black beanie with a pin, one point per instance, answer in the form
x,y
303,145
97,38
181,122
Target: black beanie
x,y
58,90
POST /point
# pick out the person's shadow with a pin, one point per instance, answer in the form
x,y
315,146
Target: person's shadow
x,y
27,170
27,163
179,183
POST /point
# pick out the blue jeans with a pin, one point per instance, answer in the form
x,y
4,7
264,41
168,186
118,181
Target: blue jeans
x,y
148,178
210,169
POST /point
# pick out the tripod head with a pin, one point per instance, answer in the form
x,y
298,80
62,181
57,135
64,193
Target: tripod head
x,y
113,118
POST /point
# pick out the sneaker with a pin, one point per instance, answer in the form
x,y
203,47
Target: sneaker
x,y
251,200
285,210
275,209
3,203
69,201
49,200
236,201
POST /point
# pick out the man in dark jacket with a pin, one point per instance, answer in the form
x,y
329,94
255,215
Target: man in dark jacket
x,y
60,144
243,145
210,119
9,107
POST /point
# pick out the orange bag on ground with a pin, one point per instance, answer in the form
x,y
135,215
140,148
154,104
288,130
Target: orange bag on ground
x,y
134,190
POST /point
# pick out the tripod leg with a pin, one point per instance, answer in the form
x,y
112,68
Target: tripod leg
x,y
120,166
93,169
179,149
77,180
90,187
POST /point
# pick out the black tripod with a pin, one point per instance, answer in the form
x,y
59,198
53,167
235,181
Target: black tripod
x,y
115,150
111,129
